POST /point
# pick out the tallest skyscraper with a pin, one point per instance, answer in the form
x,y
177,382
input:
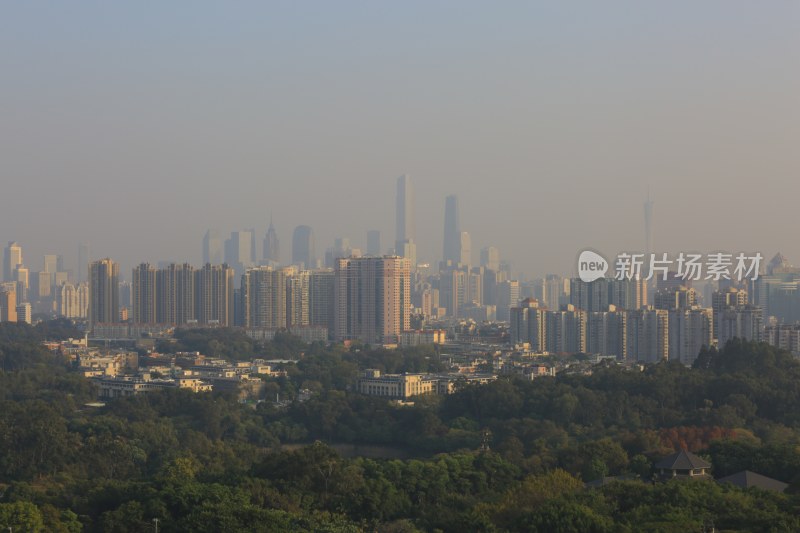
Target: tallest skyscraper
x,y
452,231
405,209
404,229
648,233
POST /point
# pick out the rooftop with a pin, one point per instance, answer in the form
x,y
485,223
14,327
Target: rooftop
x,y
682,460
746,479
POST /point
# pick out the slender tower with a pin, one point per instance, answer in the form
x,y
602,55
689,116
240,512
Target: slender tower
x,y
271,245
452,231
648,244
404,245
648,226
405,209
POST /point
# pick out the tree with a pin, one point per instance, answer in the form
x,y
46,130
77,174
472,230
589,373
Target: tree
x,y
21,516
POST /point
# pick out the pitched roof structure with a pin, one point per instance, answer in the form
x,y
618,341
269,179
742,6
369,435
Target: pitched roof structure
x,y
682,460
746,479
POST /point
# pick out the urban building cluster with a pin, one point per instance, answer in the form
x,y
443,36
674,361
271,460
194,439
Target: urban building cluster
x,y
122,372
389,297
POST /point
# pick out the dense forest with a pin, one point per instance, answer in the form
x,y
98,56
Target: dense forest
x,y
512,455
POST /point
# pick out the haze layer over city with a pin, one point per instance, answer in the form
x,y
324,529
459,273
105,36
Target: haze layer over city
x,y
137,129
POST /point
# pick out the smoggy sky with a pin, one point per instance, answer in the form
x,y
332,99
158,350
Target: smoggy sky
x,y
135,126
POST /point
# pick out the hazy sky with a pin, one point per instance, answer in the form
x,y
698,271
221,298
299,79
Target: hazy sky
x,y
135,126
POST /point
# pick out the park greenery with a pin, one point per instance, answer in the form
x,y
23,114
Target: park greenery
x,y
512,455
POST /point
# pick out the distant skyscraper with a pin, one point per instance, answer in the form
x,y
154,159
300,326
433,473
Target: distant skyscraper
x,y
271,245
372,298
303,252
212,248
41,286
83,262
51,264
404,228
239,251
507,297
466,249
22,277
490,258
103,292
452,231
458,287
648,235
12,258
404,245
407,249
373,242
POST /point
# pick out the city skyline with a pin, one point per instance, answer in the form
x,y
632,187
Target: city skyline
x,y
550,131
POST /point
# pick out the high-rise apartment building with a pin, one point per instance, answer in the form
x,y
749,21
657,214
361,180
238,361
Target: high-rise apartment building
x,y
143,294
566,330
528,325
728,298
743,322
372,298
264,298
214,295
298,298
72,301
175,294
648,335
689,330
675,298
103,292
321,287
607,333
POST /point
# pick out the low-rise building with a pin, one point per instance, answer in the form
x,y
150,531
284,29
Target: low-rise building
x,y
403,386
425,336
118,387
683,464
